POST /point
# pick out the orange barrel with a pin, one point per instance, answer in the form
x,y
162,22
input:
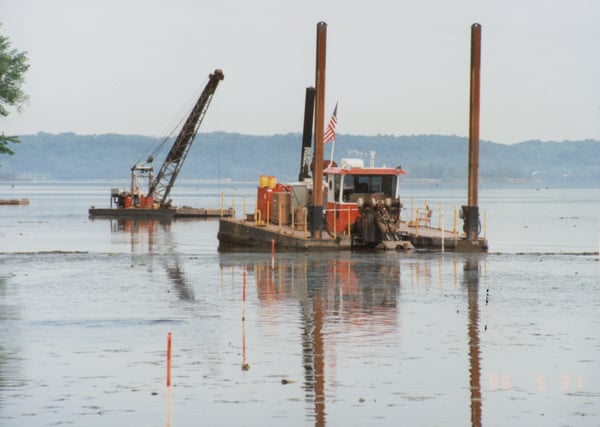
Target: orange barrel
x,y
299,217
148,202
281,206
272,182
128,202
264,202
264,181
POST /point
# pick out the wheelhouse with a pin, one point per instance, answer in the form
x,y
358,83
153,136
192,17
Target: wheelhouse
x,y
351,185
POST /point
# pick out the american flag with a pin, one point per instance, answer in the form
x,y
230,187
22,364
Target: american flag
x,y
329,134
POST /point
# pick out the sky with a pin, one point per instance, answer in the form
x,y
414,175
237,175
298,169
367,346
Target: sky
x,y
396,67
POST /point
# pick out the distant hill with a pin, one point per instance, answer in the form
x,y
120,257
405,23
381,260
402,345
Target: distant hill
x,y
220,155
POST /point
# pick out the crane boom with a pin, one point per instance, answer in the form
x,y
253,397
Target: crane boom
x,y
161,186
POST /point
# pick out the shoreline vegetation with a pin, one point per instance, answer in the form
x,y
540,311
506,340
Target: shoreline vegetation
x,y
218,156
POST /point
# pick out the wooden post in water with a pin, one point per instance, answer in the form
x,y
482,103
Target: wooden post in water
x,y
317,199
471,211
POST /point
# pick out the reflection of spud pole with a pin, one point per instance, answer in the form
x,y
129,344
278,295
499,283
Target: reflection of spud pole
x,y
471,280
471,211
245,365
169,407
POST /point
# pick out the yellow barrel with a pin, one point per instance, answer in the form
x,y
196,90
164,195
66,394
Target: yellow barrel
x,y
272,182
264,181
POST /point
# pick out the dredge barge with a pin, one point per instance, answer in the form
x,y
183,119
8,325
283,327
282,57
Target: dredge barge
x,y
350,206
363,208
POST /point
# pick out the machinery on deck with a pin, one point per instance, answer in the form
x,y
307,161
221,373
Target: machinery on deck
x,y
362,206
152,193
363,202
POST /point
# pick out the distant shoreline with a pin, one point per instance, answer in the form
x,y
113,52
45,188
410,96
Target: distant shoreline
x,y
218,156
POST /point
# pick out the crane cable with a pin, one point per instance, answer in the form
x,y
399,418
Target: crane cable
x,y
218,142
148,155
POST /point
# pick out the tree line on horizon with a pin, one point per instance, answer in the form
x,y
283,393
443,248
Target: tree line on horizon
x,y
239,157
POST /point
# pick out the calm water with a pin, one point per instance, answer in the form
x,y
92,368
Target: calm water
x,y
421,339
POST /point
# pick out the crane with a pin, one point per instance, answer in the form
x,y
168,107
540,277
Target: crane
x,y
148,194
142,174
160,187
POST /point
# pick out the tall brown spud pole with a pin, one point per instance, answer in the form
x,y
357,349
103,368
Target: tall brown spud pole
x,y
471,211
317,199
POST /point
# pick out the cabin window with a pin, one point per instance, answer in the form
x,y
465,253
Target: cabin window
x,y
337,181
388,185
347,188
361,185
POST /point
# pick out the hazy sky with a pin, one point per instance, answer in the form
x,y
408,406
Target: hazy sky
x,y
395,66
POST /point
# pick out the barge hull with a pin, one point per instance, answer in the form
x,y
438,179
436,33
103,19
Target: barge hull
x,y
133,213
430,238
246,235
164,213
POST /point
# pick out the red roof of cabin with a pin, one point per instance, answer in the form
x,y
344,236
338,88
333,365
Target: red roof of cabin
x,y
364,171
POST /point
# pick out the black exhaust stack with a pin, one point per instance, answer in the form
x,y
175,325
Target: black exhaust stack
x,y
309,109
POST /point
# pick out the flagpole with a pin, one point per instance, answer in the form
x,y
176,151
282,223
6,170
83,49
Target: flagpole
x,y
331,157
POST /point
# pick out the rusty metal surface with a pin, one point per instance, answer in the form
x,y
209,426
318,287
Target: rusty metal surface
x,y
474,114
474,129
319,121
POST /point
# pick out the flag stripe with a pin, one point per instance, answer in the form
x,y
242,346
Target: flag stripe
x,y
329,134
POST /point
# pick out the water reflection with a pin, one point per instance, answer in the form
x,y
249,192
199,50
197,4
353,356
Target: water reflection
x,y
147,237
9,351
143,235
471,276
177,278
365,293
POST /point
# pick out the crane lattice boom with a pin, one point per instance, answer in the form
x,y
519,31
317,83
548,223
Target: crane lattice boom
x,y
161,186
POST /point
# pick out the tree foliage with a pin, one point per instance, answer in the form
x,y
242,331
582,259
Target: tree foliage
x,y
13,66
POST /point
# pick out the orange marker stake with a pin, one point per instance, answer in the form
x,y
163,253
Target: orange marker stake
x,y
169,360
273,254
